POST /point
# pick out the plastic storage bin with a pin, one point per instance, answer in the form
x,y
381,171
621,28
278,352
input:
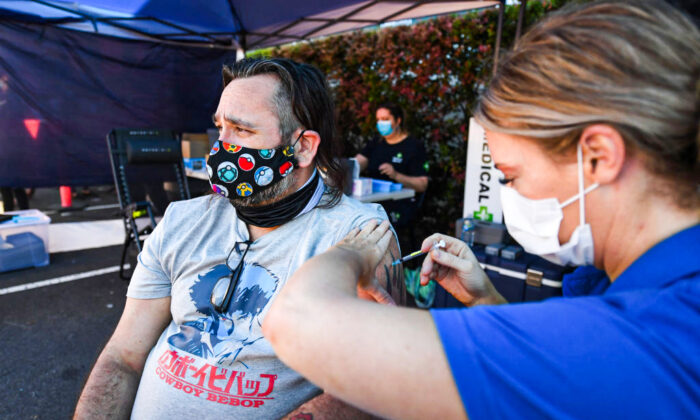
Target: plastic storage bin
x,y
379,186
24,240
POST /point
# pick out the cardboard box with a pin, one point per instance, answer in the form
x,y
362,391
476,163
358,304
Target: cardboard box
x,y
24,240
195,145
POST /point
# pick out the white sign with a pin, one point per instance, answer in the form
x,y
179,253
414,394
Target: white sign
x,y
482,195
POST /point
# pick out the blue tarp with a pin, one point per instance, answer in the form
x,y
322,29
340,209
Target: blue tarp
x,y
62,91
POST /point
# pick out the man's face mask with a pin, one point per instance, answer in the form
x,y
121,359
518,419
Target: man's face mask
x,y
237,171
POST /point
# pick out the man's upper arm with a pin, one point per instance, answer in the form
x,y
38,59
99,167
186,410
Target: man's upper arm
x,y
142,322
111,387
391,277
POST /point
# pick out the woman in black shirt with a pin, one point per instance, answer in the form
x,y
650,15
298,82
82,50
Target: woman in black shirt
x,y
396,156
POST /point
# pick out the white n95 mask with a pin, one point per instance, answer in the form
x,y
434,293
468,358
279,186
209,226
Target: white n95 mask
x,y
535,224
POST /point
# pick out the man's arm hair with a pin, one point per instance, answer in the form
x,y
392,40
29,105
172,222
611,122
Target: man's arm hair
x,y
111,387
391,277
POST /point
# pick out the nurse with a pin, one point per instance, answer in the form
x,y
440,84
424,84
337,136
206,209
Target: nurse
x,y
593,120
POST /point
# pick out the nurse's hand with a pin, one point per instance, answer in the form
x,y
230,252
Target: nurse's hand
x,y
457,270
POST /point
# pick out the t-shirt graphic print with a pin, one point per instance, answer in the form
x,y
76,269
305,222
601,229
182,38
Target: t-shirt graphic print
x,y
220,363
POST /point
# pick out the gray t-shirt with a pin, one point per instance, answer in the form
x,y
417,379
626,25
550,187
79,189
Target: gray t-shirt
x,y
219,365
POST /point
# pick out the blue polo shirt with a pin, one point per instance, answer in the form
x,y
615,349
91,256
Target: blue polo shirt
x,y
631,352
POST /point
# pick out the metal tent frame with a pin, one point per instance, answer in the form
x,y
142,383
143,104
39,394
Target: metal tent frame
x,y
352,15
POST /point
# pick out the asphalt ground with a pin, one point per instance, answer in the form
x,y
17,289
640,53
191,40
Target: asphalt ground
x,y
52,335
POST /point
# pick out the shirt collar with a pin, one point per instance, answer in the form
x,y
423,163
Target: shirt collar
x,y
316,198
670,260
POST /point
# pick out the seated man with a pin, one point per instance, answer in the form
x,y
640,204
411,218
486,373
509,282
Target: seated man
x,y
189,342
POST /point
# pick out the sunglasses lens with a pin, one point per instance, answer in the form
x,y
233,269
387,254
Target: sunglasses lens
x,y
218,294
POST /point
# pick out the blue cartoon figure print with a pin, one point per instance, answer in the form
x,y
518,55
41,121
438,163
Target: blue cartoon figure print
x,y
222,337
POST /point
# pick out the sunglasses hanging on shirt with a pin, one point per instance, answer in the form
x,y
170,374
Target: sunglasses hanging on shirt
x,y
225,287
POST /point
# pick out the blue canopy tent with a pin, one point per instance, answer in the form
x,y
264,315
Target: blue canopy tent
x,y
72,71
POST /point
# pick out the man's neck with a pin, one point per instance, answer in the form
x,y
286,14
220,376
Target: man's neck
x,y
303,176
256,232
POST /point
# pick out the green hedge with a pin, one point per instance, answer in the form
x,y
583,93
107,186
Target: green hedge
x,y
434,70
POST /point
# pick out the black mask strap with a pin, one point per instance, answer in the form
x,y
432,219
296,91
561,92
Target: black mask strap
x,y
298,138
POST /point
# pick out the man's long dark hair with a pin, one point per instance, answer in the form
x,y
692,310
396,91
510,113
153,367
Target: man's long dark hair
x,y
303,101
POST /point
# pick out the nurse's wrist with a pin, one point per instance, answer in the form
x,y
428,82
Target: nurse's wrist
x,y
491,298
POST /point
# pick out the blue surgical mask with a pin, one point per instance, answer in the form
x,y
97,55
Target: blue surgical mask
x,y
384,127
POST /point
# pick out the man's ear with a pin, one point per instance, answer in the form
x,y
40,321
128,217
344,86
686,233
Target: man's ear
x,y
306,148
604,153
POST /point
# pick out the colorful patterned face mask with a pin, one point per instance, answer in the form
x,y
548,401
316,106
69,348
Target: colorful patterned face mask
x,y
237,171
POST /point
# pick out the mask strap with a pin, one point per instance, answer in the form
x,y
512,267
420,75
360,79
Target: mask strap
x,y
581,203
298,138
581,191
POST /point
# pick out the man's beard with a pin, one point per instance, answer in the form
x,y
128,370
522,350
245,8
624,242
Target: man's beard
x,y
268,196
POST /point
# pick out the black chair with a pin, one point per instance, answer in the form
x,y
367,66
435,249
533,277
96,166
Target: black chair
x,y
148,174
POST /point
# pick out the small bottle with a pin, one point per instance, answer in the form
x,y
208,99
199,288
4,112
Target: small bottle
x,y
468,231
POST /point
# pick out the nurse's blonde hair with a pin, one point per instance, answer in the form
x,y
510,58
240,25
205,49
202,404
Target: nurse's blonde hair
x,y
634,65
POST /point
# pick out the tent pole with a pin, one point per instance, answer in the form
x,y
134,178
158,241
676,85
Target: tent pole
x,y
499,33
521,18
241,42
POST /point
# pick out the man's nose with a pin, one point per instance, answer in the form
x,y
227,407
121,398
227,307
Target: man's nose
x,y
225,134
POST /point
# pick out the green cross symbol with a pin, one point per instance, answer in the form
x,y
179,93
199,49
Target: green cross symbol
x,y
483,214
